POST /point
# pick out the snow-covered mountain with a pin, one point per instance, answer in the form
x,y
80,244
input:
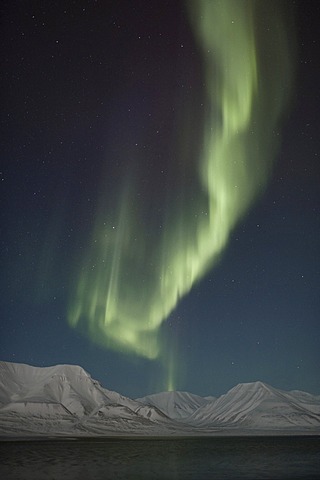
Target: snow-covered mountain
x,y
257,405
65,400
176,405
248,405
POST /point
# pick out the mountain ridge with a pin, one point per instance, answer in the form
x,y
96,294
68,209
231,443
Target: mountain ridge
x,y
65,399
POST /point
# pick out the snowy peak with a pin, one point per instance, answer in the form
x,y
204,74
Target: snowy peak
x,y
258,389
247,405
253,386
68,385
176,405
247,394
258,405
67,389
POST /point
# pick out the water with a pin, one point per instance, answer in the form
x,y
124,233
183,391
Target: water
x,y
218,458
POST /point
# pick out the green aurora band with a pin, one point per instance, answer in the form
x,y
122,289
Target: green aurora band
x,y
132,278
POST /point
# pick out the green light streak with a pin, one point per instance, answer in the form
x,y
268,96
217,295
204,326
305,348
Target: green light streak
x,y
131,281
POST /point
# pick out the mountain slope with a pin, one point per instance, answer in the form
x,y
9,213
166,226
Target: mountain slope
x,y
177,405
257,405
68,395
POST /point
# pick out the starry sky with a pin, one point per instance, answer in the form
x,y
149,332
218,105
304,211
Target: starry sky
x,y
96,94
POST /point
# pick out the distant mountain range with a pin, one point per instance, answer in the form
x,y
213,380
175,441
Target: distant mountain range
x,y
65,400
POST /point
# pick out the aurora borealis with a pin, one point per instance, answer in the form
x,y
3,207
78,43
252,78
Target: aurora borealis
x,y
132,281
145,148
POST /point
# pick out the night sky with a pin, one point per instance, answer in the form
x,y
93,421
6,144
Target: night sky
x,y
103,120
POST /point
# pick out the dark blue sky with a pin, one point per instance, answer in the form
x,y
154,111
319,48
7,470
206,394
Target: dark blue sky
x,y
80,85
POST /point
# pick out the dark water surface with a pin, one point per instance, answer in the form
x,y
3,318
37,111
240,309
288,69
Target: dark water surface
x,y
214,458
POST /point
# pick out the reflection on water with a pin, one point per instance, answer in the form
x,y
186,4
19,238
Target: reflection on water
x,y
162,458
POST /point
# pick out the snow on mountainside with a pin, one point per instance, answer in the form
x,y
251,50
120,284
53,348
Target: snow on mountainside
x,y
177,405
65,400
66,396
257,405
